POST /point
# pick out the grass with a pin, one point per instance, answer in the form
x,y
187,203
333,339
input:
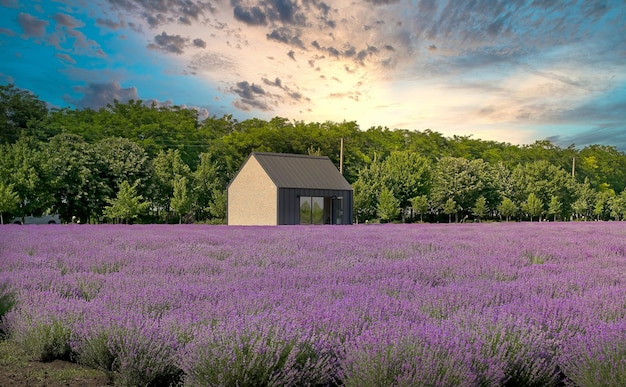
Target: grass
x,y
16,369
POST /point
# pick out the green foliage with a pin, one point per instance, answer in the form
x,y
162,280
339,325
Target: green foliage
x,y
127,206
218,207
9,200
463,181
73,161
181,202
45,341
22,164
480,209
79,188
450,207
409,362
169,168
419,204
21,112
7,300
130,356
388,206
260,359
533,206
205,184
507,208
555,207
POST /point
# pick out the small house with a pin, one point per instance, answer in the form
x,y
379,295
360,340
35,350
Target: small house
x,y
277,189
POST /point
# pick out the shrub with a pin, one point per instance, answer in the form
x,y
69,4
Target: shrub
x,y
134,354
265,357
406,361
7,300
597,358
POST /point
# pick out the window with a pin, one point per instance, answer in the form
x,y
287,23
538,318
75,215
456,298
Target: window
x,y
320,210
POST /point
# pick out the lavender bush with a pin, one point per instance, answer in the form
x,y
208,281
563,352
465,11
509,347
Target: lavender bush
x,y
477,305
7,300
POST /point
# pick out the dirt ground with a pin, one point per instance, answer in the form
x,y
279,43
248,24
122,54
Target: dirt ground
x,y
17,370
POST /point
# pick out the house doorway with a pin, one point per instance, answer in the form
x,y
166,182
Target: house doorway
x,y
321,210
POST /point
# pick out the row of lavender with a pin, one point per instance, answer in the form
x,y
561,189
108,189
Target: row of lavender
x,y
486,304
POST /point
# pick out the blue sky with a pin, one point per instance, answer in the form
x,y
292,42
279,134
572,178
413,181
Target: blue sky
x,y
513,71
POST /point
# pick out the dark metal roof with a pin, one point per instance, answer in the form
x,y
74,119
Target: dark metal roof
x,y
301,171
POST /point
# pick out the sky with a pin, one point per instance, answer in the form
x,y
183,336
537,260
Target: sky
x,y
512,71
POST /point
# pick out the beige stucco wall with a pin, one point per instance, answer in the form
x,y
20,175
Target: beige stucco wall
x,y
252,197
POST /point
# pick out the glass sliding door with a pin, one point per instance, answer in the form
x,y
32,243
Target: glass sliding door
x,y
305,210
337,210
317,206
321,210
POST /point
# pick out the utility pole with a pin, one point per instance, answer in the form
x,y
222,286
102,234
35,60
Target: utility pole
x,y
341,157
574,166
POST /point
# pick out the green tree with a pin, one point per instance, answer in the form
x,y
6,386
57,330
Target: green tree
x,y
601,208
9,200
617,206
78,187
450,207
464,181
586,197
181,202
219,205
406,174
124,160
21,112
127,205
555,207
168,168
507,208
205,184
388,206
22,165
480,209
533,206
602,164
419,204
366,191
544,180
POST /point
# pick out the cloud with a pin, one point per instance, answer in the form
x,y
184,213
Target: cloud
x,y
32,27
67,21
211,62
269,12
66,58
287,36
252,97
250,15
97,95
159,12
247,90
610,133
7,32
110,23
10,3
174,44
199,43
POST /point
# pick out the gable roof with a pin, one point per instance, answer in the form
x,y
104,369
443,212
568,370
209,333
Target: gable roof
x,y
301,171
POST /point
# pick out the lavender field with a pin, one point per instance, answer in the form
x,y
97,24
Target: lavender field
x,y
517,304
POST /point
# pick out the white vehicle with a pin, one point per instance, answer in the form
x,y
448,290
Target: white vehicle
x,y
43,219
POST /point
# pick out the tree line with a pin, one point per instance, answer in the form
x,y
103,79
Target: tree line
x,y
139,162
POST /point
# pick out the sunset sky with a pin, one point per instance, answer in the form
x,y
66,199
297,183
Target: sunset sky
x,y
513,70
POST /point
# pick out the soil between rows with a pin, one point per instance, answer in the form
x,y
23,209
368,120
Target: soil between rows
x,y
17,370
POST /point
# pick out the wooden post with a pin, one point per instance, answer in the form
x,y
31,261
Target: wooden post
x,y
341,157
